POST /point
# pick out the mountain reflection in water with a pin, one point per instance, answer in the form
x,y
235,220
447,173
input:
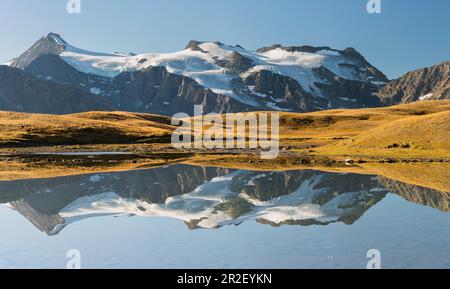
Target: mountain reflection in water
x,y
208,198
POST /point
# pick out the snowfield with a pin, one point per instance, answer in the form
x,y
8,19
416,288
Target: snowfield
x,y
202,65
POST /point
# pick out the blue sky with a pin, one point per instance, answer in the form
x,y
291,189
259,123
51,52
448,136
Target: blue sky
x,y
409,34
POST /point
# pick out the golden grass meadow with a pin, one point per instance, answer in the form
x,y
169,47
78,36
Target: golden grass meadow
x,y
409,142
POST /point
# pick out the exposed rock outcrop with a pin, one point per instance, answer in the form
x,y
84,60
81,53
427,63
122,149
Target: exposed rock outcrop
x,y
22,92
429,83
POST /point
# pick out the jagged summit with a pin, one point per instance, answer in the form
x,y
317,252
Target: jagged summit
x,y
194,45
55,37
52,44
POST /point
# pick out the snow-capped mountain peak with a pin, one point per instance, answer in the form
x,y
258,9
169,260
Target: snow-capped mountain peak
x,y
294,78
57,38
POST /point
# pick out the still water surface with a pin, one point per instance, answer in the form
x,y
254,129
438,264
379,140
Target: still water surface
x,y
192,217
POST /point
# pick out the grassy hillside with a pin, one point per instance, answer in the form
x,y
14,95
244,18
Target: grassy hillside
x,y
418,130
423,132
21,129
413,130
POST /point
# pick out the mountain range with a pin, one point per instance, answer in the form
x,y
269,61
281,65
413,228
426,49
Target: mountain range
x,y
56,77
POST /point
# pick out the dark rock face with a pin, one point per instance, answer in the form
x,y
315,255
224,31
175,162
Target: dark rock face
x,y
194,46
347,93
284,91
151,90
432,81
53,68
22,92
236,63
304,48
365,66
154,90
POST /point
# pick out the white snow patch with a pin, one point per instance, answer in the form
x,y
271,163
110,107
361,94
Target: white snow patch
x,y
348,99
426,97
96,90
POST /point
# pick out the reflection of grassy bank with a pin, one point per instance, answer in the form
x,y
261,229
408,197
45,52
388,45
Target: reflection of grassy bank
x,y
48,166
432,175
